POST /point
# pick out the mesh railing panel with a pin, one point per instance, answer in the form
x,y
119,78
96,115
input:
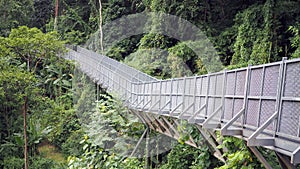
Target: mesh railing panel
x,y
230,83
240,82
289,121
253,113
267,109
228,113
256,82
292,85
271,81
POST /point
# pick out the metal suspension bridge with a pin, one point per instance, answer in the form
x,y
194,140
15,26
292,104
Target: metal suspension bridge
x,y
259,104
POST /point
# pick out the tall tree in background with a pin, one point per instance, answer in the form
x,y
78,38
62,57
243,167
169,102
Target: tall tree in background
x,y
56,14
24,112
24,56
100,27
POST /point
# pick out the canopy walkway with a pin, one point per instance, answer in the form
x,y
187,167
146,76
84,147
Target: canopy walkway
x,y
260,104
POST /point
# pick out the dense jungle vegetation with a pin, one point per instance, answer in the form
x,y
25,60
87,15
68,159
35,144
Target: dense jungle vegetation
x,y
37,87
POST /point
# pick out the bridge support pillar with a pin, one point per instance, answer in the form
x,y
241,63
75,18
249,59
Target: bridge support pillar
x,y
260,157
210,139
144,136
147,151
284,161
295,159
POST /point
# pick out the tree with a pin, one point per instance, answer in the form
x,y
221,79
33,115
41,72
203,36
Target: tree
x,y
32,46
20,91
13,14
24,54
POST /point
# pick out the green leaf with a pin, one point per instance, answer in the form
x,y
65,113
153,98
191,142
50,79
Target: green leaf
x,y
66,83
82,141
85,146
19,140
57,80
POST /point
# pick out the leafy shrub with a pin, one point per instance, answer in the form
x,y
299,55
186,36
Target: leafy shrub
x,y
13,163
38,162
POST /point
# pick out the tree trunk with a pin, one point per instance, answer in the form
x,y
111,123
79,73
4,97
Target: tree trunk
x,y
56,15
100,27
28,65
101,44
147,151
24,110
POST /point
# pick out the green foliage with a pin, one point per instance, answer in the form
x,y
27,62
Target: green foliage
x,y
31,46
35,162
295,41
36,52
117,8
154,40
224,44
249,37
113,125
70,144
74,37
184,62
270,156
107,129
76,20
43,10
204,159
238,155
26,46
150,61
95,157
16,84
190,10
251,32
201,157
39,162
64,125
12,163
262,34
124,48
57,81
13,14
185,156
153,58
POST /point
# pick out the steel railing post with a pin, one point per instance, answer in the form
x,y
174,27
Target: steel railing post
x,y
160,92
280,91
246,91
171,95
183,95
207,93
223,93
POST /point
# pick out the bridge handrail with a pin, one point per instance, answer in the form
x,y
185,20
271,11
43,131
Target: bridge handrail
x,y
256,101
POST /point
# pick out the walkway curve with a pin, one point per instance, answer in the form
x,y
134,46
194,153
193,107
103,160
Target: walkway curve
x,y
260,104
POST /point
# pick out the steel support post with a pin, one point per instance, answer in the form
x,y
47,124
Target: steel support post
x,y
284,161
260,157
